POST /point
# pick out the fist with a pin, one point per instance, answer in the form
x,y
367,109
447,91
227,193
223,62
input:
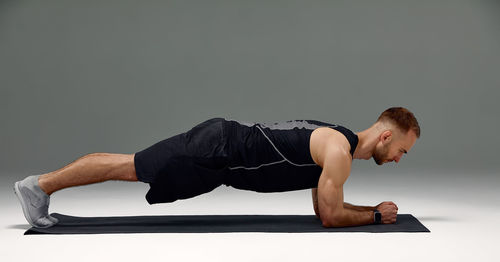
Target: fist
x,y
389,212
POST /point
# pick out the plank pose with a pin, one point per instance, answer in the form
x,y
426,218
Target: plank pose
x,y
262,157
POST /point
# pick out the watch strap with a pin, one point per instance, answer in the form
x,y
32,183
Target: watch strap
x,y
377,216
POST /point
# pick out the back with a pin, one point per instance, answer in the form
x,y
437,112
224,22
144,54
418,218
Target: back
x,y
275,157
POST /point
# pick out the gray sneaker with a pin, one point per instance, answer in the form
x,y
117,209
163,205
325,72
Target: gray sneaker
x,y
35,202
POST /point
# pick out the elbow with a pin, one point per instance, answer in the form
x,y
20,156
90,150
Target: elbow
x,y
326,223
332,221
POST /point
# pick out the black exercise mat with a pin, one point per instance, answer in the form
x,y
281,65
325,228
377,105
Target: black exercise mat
x,y
214,224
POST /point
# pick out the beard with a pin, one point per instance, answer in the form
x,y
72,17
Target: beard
x,y
380,155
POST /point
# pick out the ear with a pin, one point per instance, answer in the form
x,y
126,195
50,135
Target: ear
x,y
386,136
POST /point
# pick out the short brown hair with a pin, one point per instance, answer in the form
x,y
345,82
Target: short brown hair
x,y
402,118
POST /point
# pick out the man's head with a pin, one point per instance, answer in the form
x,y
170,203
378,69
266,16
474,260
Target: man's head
x,y
398,130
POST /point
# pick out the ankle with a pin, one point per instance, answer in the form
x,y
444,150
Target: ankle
x,y
44,185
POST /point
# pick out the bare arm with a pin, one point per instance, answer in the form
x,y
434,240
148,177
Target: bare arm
x,y
314,192
358,208
336,169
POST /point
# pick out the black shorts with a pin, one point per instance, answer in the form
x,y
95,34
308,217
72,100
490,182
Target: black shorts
x,y
185,165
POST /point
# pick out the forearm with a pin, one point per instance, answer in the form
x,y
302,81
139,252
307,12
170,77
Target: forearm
x,y
346,205
351,217
358,208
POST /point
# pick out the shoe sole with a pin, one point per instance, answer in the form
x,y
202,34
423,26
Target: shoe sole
x,y
24,205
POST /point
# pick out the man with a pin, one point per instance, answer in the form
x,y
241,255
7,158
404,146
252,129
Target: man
x,y
261,157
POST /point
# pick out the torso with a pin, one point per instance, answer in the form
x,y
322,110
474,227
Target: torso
x,y
281,156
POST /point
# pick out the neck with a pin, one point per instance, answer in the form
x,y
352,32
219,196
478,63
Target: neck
x,y
367,141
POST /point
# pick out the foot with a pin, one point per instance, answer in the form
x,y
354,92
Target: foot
x,y
35,202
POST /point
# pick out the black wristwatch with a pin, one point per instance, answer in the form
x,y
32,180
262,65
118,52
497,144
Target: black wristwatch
x,y
377,217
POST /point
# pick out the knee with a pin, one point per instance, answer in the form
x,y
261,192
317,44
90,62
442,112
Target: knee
x,y
127,167
132,174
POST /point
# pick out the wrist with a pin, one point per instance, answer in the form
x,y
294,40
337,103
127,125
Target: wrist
x,y
377,217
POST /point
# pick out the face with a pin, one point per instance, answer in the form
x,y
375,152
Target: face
x,y
392,145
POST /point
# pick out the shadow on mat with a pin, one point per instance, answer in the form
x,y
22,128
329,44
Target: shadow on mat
x,y
436,218
23,226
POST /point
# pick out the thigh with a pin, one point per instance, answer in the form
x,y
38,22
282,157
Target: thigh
x,y
204,144
185,165
184,178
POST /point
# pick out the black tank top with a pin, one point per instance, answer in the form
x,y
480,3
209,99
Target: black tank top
x,y
274,157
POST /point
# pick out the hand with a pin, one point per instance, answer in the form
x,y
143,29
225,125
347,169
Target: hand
x,y
389,212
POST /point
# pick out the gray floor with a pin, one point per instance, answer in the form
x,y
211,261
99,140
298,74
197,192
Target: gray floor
x,y
460,208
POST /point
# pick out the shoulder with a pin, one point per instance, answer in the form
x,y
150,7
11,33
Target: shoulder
x,y
327,142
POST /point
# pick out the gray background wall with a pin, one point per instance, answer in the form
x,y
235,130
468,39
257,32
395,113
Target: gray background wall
x,y
117,76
